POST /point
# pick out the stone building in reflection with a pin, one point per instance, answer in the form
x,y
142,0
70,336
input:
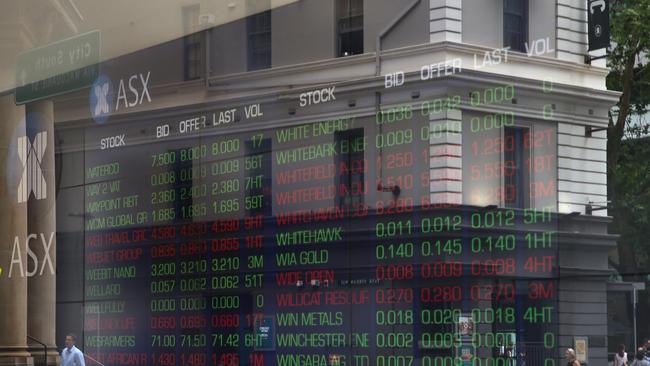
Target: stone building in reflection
x,y
504,119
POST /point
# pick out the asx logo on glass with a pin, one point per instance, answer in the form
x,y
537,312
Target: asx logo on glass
x,y
31,156
102,97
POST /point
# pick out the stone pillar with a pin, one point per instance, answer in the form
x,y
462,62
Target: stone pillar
x,y
13,229
41,231
445,21
446,157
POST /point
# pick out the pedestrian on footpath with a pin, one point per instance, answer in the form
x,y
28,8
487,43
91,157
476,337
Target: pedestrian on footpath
x,y
570,356
620,358
640,358
71,355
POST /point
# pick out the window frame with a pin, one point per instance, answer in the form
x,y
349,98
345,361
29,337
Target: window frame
x,y
193,43
193,57
253,60
351,30
350,202
525,25
527,175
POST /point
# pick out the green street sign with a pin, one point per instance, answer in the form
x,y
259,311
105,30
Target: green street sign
x,y
58,68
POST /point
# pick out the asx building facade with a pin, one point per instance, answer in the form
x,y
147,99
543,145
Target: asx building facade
x,y
306,182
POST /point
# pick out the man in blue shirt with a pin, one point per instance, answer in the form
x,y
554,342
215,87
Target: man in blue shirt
x,y
71,355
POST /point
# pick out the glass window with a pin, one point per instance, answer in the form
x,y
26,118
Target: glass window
x,y
351,183
515,24
192,48
517,171
350,27
204,183
258,28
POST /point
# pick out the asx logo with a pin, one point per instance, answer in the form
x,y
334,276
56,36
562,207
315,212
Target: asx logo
x,y
31,156
131,92
36,262
101,98
138,89
101,93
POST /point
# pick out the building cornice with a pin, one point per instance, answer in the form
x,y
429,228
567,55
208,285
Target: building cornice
x,y
356,74
448,50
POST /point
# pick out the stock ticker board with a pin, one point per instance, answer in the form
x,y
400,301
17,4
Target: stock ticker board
x,y
317,243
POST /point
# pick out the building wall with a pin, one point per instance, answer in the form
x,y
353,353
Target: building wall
x,y
445,21
541,17
483,23
303,32
583,312
228,48
411,30
572,30
582,169
583,245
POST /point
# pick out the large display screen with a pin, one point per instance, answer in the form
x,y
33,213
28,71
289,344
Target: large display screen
x,y
218,237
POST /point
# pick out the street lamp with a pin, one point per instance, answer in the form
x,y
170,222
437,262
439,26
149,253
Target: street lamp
x,y
636,286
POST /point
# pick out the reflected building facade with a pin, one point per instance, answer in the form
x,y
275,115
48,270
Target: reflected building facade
x,y
331,182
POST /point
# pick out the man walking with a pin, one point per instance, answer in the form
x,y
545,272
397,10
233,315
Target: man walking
x,y
71,355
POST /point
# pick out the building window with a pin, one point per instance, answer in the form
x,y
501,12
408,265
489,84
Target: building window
x,y
350,27
351,186
515,24
192,43
516,167
258,29
192,56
